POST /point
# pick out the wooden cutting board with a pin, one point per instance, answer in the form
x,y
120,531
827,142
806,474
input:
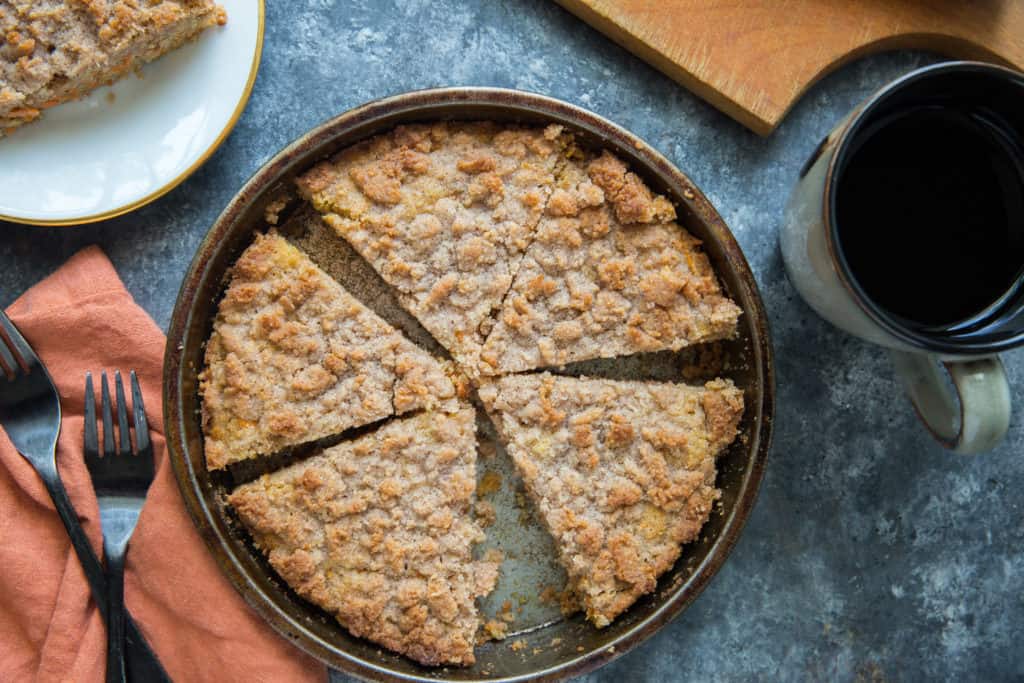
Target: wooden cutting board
x,y
754,58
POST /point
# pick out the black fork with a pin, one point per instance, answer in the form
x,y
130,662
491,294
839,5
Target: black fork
x,y
30,414
121,480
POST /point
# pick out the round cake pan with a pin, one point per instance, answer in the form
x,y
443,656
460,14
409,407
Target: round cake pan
x,y
555,650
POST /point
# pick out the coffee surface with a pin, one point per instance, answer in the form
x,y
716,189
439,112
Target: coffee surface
x,y
930,214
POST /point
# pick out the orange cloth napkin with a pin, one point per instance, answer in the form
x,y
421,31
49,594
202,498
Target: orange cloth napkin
x,y
82,319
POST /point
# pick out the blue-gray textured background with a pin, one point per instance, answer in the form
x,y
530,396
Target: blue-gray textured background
x,y
871,554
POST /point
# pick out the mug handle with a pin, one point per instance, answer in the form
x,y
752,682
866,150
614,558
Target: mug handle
x,y
982,418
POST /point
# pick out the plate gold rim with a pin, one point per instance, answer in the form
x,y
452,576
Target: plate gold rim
x,y
179,179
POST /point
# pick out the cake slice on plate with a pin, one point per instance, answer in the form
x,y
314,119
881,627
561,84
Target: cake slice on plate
x,y
622,473
609,273
53,51
294,357
378,532
444,213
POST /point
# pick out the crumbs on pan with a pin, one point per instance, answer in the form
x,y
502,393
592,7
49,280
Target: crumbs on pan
x,y
490,483
486,448
495,630
485,513
705,362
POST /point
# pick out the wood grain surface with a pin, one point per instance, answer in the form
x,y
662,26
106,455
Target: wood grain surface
x,y
753,59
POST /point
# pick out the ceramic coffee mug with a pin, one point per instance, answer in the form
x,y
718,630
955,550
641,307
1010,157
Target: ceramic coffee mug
x,y
970,411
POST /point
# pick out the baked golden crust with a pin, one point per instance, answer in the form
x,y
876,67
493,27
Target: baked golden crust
x,y
53,51
444,213
609,273
623,473
294,357
378,531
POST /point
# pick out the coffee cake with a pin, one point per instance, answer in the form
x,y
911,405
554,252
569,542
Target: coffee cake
x,y
609,273
444,213
516,249
378,531
621,472
53,51
294,357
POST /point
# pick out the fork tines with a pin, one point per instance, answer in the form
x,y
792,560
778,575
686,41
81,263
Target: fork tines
x,y
124,444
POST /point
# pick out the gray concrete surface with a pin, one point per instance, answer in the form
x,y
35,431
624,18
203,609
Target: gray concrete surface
x,y
871,554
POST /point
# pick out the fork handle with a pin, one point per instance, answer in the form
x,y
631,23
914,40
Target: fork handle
x,y
86,557
115,613
142,660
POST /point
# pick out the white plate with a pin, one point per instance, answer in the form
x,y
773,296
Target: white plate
x,y
125,145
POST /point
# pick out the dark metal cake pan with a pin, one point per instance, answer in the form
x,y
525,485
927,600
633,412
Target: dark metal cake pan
x,y
546,648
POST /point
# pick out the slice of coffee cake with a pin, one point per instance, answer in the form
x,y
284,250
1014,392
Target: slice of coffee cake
x,y
294,357
622,473
53,51
609,273
378,531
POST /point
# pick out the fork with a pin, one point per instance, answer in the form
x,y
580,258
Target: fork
x,y
121,481
30,414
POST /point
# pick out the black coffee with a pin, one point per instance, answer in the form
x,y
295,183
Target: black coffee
x,y
930,214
